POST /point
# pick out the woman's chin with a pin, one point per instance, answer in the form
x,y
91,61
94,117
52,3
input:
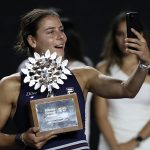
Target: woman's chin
x,y
60,53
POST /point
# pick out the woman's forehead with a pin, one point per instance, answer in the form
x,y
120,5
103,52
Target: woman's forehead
x,y
50,21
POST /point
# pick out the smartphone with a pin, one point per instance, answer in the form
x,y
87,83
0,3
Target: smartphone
x,y
133,21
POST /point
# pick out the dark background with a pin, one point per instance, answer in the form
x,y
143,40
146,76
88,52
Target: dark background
x,y
92,19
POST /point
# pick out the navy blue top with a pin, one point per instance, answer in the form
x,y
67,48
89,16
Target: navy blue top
x,y
66,141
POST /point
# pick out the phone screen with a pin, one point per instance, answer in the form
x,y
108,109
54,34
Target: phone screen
x,y
132,19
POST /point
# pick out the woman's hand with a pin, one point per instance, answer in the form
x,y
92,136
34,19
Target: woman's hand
x,y
34,138
139,43
130,145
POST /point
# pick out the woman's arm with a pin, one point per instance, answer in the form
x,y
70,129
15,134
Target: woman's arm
x,y
144,133
108,87
101,112
6,104
112,88
9,91
135,142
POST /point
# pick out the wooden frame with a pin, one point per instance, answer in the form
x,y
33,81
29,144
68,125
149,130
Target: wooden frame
x,y
59,114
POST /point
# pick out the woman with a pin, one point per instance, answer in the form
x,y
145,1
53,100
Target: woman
x,y
41,29
121,121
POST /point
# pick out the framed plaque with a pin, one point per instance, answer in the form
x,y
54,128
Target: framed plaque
x,y
59,114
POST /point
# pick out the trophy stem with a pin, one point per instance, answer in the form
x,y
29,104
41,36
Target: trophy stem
x,y
50,94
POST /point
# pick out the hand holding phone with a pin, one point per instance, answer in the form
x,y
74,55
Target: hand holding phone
x,y
133,21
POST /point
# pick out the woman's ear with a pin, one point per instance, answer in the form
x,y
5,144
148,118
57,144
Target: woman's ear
x,y
142,33
31,40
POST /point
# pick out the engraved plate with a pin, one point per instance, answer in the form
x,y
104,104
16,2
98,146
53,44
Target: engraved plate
x,y
58,114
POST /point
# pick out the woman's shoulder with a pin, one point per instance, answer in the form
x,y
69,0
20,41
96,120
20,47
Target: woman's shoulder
x,y
102,66
9,89
83,70
10,83
85,73
11,78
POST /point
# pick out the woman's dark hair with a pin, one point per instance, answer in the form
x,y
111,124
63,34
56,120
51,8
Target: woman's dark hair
x,y
29,26
110,51
73,47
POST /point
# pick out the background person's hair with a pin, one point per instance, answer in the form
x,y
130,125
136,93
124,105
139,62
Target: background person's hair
x,y
73,47
110,50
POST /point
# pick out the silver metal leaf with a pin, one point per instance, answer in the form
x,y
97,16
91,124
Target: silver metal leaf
x,y
59,59
64,63
32,82
37,86
29,66
43,88
49,88
66,71
47,54
59,81
26,79
55,85
37,56
53,56
25,71
63,76
55,71
31,60
36,75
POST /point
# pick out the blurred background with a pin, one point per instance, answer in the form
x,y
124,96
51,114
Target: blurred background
x,y
92,19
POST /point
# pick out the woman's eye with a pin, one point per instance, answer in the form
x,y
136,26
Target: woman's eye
x,y
50,32
120,34
62,30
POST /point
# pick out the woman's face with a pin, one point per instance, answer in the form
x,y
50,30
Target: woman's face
x,y
50,35
120,36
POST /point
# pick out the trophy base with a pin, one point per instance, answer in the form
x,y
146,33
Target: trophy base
x,y
59,114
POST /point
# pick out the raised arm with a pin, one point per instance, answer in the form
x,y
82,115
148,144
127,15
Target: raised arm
x,y
111,88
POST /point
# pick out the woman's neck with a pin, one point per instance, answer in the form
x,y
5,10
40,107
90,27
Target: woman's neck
x,y
130,62
130,59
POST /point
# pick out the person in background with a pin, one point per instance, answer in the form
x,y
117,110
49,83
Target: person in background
x,y
40,30
124,123
74,47
74,52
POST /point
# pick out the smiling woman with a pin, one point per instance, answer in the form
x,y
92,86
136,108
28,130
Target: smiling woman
x,y
40,30
49,34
